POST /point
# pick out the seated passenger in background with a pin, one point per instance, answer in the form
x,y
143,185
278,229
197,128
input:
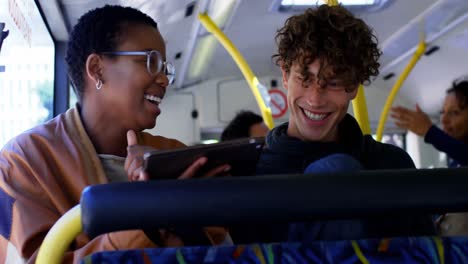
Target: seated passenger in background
x,y
44,170
325,54
453,138
245,124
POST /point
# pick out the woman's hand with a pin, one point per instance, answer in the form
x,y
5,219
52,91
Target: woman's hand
x,y
192,170
134,162
417,121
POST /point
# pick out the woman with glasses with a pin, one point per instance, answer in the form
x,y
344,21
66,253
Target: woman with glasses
x,y
117,62
453,138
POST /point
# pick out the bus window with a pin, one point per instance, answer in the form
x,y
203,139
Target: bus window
x,y
396,139
27,84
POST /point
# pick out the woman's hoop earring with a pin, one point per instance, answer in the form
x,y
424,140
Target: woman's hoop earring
x,y
99,84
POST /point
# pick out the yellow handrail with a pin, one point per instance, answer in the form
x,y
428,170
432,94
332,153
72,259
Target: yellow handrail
x,y
359,103
60,236
383,116
360,111
332,2
259,91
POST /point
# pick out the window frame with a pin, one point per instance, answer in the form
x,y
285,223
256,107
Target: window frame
x,y
61,81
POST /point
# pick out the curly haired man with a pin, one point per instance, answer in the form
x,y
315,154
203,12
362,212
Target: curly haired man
x,y
325,53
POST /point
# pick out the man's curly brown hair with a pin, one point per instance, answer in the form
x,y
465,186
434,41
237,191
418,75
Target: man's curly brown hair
x,y
344,44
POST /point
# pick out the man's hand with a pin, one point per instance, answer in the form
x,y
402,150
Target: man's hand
x,y
417,121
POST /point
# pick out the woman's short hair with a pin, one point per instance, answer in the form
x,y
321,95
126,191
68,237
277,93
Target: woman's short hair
x,y
96,31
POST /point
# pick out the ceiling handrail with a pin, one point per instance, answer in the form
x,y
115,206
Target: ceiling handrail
x,y
259,91
396,88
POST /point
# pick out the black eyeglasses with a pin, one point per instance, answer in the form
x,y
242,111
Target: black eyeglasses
x,y
154,62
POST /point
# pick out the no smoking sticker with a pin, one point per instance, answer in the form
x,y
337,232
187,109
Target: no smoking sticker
x,y
278,104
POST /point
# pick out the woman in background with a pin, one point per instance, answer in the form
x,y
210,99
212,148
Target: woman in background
x,y
453,137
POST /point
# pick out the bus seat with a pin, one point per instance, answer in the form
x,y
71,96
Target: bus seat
x,y
266,199
395,250
270,199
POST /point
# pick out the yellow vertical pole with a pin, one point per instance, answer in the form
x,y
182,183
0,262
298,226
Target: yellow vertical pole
x,y
421,48
383,117
359,103
360,111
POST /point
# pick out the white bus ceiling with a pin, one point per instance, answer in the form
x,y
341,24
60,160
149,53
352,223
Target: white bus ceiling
x,y
253,26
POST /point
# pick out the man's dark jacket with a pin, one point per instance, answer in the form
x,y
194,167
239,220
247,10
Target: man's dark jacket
x,y
287,155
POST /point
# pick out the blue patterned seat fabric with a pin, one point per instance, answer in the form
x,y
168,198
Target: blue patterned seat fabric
x,y
395,250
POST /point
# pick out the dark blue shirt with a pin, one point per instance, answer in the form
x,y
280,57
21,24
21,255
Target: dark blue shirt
x,y
456,150
287,155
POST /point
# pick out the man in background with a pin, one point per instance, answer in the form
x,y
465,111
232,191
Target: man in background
x,y
245,124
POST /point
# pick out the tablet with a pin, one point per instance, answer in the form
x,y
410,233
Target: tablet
x,y
242,155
